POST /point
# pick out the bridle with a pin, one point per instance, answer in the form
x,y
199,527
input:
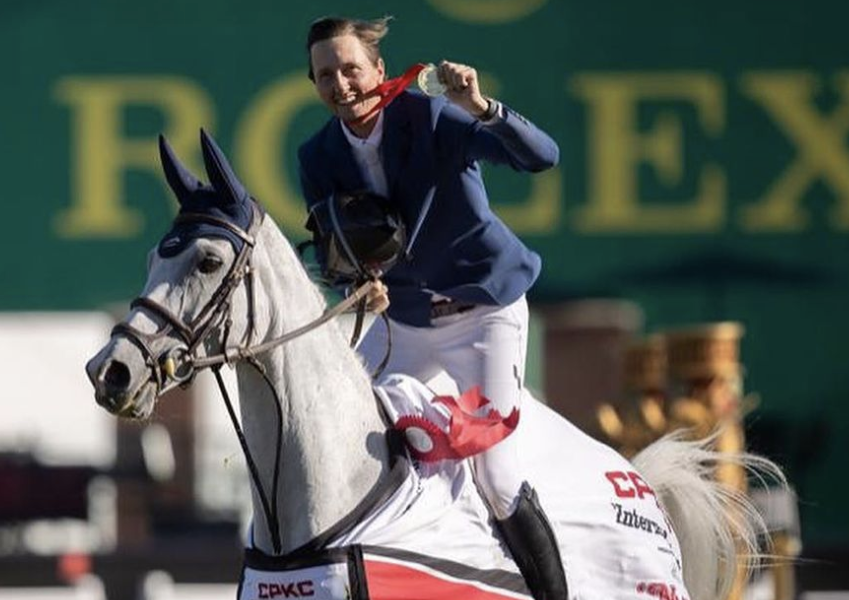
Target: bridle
x,y
179,365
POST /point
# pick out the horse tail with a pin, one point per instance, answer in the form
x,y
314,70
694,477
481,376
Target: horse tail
x,y
717,526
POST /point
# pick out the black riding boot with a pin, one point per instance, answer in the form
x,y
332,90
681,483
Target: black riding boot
x,y
531,541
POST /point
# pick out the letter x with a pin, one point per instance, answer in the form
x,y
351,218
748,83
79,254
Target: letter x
x,y
819,139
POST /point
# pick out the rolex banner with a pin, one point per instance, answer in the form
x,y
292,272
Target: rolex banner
x,y
704,164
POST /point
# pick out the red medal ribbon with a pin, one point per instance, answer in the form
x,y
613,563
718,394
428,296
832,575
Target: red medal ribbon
x,y
389,89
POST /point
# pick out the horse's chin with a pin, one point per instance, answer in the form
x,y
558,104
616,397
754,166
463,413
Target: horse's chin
x,y
139,406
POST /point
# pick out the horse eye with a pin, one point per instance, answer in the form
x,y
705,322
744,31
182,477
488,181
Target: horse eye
x,y
210,263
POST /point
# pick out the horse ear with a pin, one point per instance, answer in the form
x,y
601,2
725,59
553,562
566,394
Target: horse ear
x,y
220,173
179,178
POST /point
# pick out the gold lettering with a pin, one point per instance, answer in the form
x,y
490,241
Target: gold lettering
x,y
100,154
540,212
617,148
789,99
487,12
260,139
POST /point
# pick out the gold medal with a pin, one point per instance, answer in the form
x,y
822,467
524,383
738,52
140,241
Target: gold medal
x,y
429,83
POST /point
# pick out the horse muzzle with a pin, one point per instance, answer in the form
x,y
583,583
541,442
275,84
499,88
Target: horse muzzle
x,y
122,383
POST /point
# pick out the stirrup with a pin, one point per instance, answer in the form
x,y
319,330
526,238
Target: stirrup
x,y
532,543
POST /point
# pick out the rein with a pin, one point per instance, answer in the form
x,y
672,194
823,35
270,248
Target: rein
x,y
235,354
180,365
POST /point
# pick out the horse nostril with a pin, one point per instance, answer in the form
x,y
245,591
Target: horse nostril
x,y
117,377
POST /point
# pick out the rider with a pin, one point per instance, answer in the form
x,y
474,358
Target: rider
x,y
458,293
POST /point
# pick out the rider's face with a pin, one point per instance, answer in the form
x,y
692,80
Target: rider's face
x,y
344,76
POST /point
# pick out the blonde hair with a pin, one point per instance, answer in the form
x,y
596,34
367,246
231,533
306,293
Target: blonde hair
x,y
368,32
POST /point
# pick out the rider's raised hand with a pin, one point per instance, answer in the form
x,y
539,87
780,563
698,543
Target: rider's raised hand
x,y
463,88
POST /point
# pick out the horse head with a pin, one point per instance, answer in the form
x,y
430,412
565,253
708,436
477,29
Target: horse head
x,y
195,277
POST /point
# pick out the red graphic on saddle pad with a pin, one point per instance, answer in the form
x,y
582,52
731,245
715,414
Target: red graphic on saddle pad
x,y
469,432
659,590
629,485
394,581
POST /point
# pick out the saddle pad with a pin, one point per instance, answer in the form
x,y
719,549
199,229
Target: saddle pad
x,y
355,573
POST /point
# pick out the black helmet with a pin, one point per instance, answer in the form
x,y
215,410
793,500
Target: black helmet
x,y
357,235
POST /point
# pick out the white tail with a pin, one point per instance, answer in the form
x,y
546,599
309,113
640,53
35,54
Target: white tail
x,y
717,527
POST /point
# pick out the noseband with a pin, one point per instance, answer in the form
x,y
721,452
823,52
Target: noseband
x,y
165,366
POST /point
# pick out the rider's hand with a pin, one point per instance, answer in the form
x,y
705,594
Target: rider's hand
x,y
377,299
463,89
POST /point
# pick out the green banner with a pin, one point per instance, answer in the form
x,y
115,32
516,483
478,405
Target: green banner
x,y
704,166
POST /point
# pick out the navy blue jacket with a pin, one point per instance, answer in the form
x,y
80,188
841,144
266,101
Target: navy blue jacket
x,y
431,148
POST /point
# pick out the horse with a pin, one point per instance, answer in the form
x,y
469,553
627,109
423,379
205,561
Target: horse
x,y
344,505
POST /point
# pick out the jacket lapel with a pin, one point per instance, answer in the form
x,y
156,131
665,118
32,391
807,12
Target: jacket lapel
x,y
397,140
343,169
409,160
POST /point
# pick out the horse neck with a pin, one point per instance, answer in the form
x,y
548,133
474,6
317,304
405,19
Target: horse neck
x,y
332,450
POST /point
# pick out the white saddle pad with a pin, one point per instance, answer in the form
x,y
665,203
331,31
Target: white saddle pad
x,y
614,539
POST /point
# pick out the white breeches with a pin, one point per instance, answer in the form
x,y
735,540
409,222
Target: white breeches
x,y
485,346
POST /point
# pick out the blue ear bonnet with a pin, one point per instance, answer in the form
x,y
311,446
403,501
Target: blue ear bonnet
x,y
203,202
223,198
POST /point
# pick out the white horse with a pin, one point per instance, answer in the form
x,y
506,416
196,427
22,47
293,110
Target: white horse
x,y
334,498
